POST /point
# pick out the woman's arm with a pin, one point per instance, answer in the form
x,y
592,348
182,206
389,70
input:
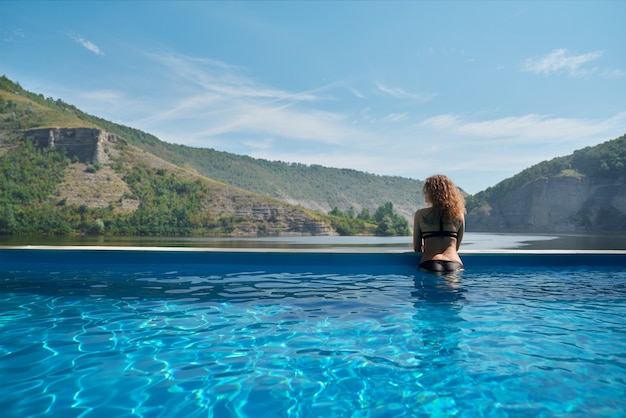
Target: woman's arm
x,y
460,233
417,235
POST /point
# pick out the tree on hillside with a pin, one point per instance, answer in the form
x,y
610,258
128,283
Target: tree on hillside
x,y
389,222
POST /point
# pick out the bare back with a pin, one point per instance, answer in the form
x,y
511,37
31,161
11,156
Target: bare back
x,y
436,238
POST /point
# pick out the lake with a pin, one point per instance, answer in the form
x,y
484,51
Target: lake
x,y
473,241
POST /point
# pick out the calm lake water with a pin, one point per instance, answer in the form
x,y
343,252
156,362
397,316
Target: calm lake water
x,y
472,241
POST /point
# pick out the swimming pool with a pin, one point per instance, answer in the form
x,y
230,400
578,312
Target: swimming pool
x,y
146,332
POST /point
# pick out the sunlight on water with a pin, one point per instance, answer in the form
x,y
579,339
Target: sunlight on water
x,y
189,342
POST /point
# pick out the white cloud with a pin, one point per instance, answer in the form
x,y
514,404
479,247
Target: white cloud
x,y
216,101
207,103
527,128
222,79
217,105
559,60
488,151
614,74
394,91
90,46
284,122
357,93
395,117
399,93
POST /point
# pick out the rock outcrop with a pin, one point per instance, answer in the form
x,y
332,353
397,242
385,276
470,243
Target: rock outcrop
x,y
265,217
242,213
566,204
85,144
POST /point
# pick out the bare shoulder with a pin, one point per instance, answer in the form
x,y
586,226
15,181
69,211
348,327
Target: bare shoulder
x,y
459,224
420,213
425,216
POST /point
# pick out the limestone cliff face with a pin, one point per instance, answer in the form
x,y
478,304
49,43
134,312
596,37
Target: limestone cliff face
x,y
556,204
264,217
269,218
86,144
252,214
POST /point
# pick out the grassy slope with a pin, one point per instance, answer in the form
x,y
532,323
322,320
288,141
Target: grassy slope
x,y
20,110
314,187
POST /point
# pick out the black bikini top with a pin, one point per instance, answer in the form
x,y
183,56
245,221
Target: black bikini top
x,y
441,233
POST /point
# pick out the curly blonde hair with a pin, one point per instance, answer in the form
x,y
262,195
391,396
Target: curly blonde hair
x,y
445,196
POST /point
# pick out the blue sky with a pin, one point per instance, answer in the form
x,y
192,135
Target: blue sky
x,y
475,90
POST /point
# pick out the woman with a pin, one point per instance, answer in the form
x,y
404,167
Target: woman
x,y
438,230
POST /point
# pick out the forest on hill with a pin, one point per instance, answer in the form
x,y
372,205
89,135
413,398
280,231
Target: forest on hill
x,y
151,187
606,160
581,192
311,186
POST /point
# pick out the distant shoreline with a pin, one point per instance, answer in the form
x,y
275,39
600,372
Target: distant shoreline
x,y
473,241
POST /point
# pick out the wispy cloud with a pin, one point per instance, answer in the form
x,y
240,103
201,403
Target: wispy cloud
x,y
208,103
399,93
357,93
500,147
13,35
223,79
219,101
249,120
560,60
396,117
90,46
526,128
394,92
614,74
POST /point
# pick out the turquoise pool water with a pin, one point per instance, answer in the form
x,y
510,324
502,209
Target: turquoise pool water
x,y
88,333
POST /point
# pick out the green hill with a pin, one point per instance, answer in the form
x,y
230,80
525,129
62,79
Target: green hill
x,y
581,192
139,184
310,186
132,191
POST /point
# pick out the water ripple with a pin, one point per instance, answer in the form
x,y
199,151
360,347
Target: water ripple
x,y
194,343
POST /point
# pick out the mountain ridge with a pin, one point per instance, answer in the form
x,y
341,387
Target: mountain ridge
x,y
82,179
581,192
313,187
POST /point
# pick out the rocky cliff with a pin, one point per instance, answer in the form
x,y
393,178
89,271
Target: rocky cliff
x,y
258,218
234,211
85,144
551,204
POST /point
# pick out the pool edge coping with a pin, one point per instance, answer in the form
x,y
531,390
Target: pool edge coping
x,y
333,250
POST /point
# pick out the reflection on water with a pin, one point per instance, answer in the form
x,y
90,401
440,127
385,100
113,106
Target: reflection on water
x,y
581,242
435,288
472,241
439,300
